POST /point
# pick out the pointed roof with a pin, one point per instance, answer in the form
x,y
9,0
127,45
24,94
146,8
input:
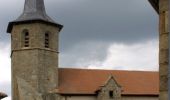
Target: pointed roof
x,y
111,77
34,10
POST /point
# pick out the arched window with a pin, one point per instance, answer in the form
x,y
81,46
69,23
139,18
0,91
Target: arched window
x,y
25,38
46,40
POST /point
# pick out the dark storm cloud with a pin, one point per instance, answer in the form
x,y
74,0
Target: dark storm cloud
x,y
112,20
10,10
98,21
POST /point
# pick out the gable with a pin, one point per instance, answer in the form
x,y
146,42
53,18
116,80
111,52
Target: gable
x,y
110,90
110,84
84,81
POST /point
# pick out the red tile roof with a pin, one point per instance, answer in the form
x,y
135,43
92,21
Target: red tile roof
x,y
84,81
2,95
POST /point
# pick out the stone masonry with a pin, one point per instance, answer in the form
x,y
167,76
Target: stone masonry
x,y
111,90
35,65
163,48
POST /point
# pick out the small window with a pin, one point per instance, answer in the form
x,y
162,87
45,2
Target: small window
x,y
111,94
26,39
46,40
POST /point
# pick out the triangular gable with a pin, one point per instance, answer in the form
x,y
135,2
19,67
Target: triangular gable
x,y
111,90
110,80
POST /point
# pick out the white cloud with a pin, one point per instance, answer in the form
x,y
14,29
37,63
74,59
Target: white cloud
x,y
119,56
5,62
139,56
5,69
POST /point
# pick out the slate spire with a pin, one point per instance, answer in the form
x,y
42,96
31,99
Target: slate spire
x,y
34,6
34,10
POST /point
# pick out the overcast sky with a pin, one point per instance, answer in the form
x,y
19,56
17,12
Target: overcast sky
x,y
102,34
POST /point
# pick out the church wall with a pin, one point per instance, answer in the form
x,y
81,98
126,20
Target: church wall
x,y
123,98
139,98
35,64
36,31
163,48
79,98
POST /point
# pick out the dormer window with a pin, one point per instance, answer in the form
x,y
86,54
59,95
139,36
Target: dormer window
x,y
46,40
26,38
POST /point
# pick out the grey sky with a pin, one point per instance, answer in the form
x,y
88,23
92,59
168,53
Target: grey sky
x,y
92,28
111,21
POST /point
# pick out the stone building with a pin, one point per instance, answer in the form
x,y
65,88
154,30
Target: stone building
x,y
36,75
162,8
2,95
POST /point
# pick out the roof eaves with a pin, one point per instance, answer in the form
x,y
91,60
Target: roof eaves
x,y
10,25
155,5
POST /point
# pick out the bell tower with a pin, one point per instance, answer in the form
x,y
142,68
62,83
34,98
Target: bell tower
x,y
34,52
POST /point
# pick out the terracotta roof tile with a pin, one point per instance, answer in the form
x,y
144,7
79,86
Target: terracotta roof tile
x,y
84,81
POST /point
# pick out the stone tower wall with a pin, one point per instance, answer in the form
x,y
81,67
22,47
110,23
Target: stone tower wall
x,y
163,48
36,65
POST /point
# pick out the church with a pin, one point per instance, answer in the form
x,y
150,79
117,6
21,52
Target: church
x,y
37,76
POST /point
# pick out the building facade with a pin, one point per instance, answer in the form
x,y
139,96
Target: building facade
x,y
162,8
35,72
